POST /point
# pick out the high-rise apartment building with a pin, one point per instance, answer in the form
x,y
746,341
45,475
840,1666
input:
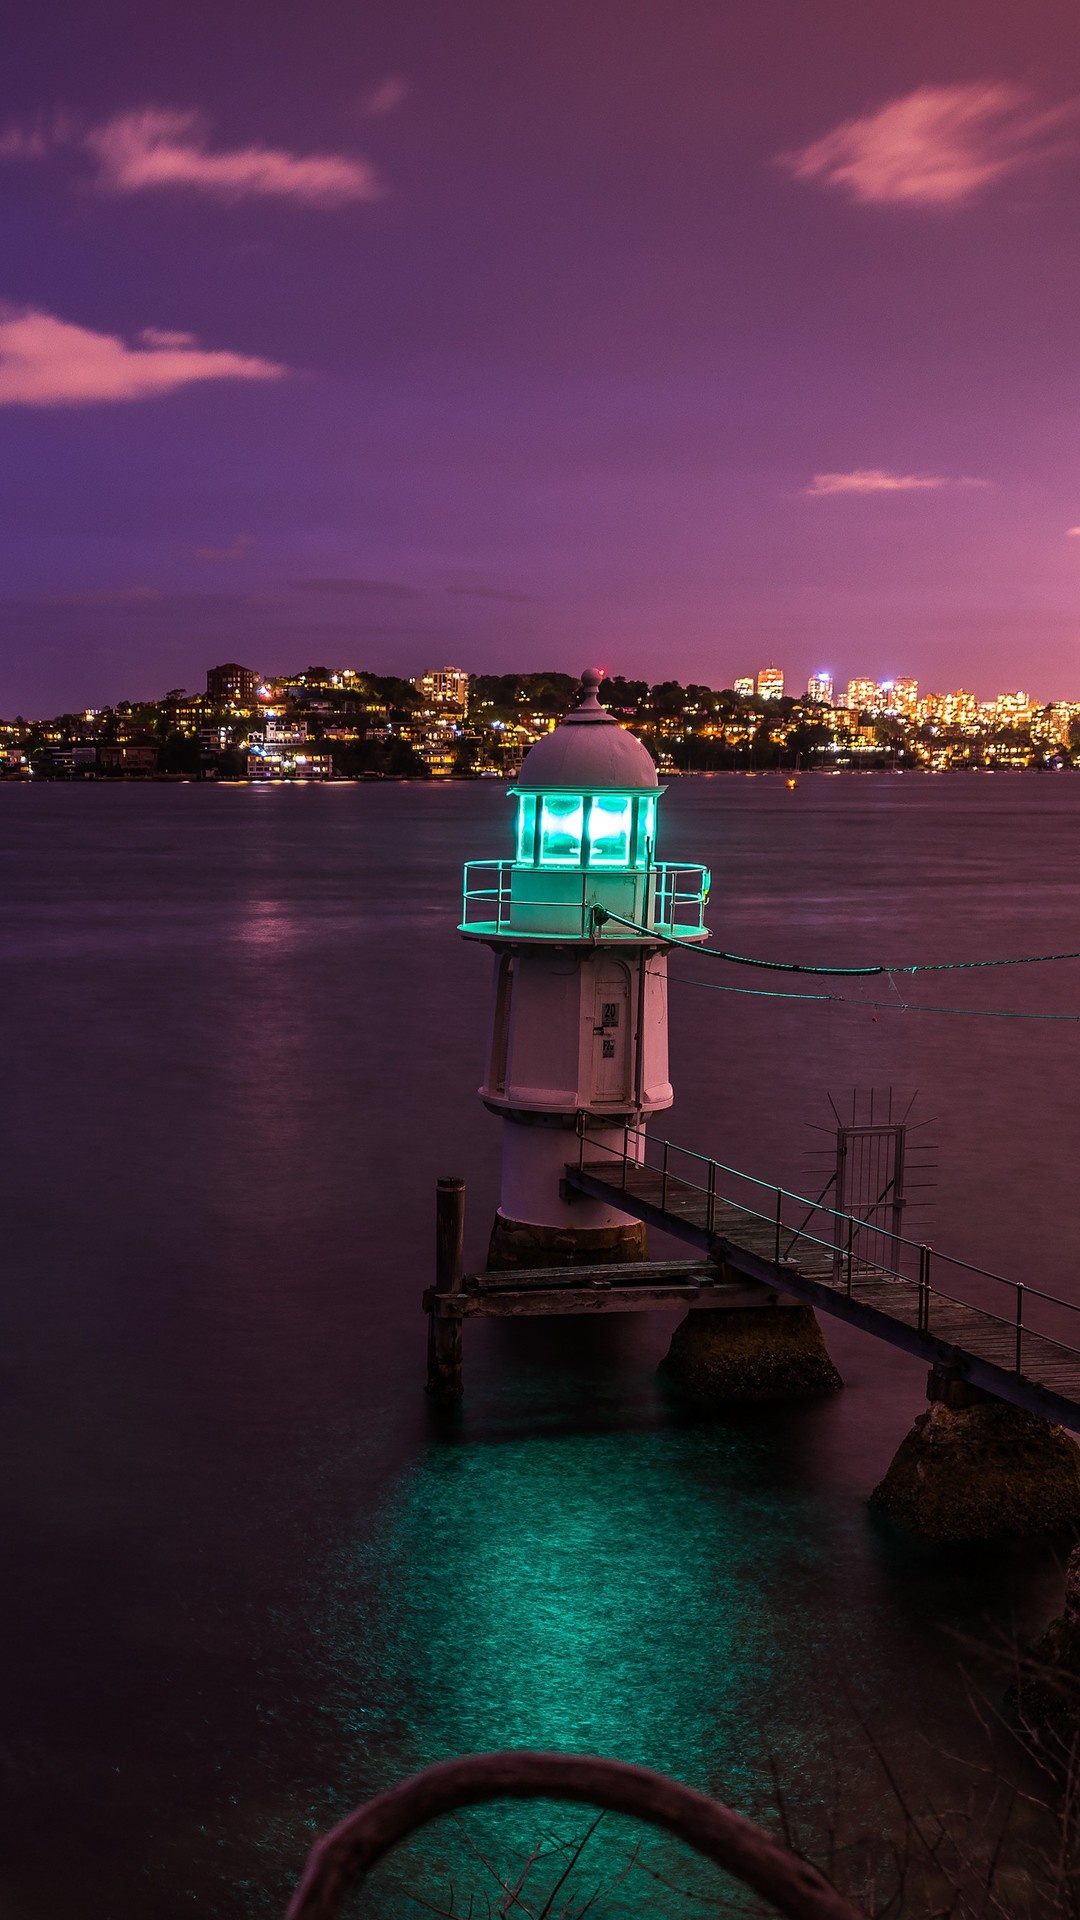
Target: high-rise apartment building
x,y
819,689
959,709
770,683
863,695
1013,710
744,687
444,687
898,697
232,685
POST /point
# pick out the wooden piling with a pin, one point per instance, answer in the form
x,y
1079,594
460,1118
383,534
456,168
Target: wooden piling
x,y
444,1328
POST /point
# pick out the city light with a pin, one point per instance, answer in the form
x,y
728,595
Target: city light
x,y
448,723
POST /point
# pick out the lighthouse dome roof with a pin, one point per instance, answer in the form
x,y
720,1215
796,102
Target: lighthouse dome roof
x,y
588,752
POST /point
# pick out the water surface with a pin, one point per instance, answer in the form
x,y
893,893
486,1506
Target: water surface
x,y
249,1578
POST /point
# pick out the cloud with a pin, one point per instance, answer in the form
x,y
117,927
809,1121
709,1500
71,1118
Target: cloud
x,y
238,549
159,147
494,593
876,480
386,97
161,337
48,362
24,143
105,597
365,589
1073,533
937,146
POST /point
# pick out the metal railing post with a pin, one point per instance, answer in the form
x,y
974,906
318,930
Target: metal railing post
x,y
625,1152
779,1210
710,1199
850,1244
663,1178
924,1289
1019,1325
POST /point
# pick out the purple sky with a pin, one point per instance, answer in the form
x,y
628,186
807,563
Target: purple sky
x,y
677,337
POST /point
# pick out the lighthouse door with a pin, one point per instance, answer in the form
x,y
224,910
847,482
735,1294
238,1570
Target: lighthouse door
x,y
612,1035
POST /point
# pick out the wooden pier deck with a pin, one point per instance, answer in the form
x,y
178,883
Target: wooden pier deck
x,y
1006,1337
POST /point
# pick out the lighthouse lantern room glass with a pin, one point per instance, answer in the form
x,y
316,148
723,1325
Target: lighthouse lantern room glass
x,y
595,830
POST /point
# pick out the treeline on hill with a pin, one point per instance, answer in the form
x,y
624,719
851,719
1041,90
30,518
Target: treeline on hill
x,y
671,718
676,720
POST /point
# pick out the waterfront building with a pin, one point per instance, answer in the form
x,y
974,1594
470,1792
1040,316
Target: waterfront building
x,y
136,756
438,744
863,695
444,687
283,752
1059,719
955,710
770,683
188,712
744,687
1013,710
232,685
903,697
819,689
960,709
285,733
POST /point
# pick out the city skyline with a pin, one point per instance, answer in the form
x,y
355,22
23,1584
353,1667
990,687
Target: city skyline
x,y
618,335
234,683
447,723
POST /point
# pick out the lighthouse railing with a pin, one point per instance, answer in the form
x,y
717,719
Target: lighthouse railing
x,y
844,1250
506,897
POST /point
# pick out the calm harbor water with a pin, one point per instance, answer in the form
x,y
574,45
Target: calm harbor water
x,y
249,1579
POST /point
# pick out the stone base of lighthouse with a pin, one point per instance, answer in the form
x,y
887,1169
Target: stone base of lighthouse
x,y
536,1224
975,1468
743,1355
522,1243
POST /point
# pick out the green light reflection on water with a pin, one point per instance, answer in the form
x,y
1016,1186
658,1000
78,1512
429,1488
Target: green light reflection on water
x,y
594,1593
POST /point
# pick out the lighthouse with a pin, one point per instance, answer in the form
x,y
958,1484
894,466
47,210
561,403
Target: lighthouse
x,y
579,922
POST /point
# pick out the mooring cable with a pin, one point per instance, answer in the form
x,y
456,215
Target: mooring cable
x,y
800,966
888,1006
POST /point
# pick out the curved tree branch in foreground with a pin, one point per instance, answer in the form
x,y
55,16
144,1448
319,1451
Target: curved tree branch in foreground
x,y
341,1860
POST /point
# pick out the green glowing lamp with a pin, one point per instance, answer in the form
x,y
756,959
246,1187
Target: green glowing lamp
x,y
585,866
587,794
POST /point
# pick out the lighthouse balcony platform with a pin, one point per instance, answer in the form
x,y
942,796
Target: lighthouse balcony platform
x,y
507,899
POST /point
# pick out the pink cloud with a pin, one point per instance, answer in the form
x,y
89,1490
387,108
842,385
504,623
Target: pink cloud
x,y
238,549
387,96
876,480
937,146
157,147
23,143
106,597
48,362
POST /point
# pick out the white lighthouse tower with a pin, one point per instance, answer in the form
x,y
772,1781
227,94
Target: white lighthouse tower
x,y
579,922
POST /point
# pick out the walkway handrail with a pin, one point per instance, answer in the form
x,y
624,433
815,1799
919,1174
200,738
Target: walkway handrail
x,y
849,1251
341,1861
817,1206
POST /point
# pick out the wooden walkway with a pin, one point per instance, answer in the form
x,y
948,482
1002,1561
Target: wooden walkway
x,y
969,1335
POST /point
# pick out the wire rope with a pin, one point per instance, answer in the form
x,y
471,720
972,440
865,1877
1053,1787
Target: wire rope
x,y
800,966
888,1006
